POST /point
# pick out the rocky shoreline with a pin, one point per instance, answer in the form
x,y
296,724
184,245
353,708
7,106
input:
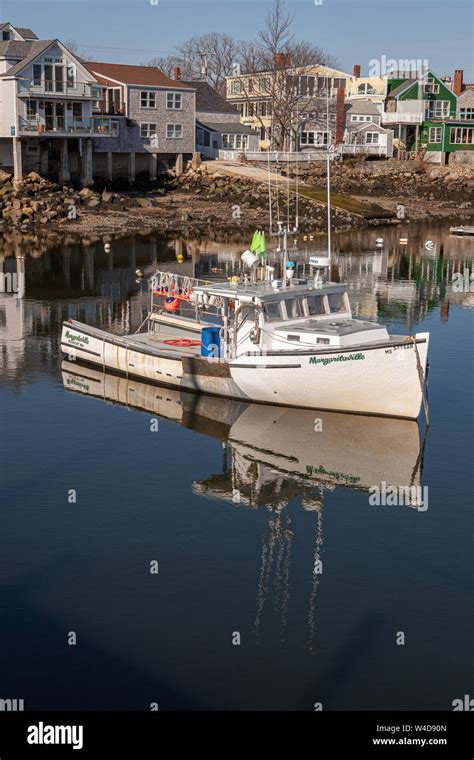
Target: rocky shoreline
x,y
203,200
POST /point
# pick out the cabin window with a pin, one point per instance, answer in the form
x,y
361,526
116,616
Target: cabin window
x,y
294,308
316,305
272,311
337,302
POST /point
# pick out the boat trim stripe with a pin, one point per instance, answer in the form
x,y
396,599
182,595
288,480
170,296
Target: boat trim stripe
x,y
265,366
346,350
79,348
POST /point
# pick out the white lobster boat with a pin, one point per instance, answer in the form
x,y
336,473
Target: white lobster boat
x,y
289,342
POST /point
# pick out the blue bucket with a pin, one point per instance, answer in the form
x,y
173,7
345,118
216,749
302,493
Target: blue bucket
x,y
211,342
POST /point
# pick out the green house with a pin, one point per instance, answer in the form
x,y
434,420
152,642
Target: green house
x,y
424,114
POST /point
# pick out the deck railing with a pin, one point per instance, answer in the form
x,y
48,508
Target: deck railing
x,y
96,125
41,87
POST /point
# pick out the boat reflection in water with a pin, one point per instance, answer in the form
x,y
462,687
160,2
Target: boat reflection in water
x,y
272,455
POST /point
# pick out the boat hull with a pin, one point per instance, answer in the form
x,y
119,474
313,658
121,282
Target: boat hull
x,y
383,379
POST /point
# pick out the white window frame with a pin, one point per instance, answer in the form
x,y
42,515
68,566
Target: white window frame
x,y
372,135
149,95
176,99
436,130
431,86
147,130
461,130
439,105
236,87
467,113
172,128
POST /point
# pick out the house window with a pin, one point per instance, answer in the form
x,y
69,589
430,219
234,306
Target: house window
x,y
307,86
250,85
435,135
235,142
372,138
71,75
207,139
147,99
32,150
437,109
365,89
147,130
431,86
174,101
37,69
31,108
314,138
174,131
467,114
77,110
462,136
236,87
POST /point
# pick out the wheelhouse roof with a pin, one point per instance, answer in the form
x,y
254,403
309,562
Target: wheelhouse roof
x,y
264,291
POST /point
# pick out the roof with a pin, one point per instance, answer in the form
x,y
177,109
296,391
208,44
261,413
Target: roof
x,y
401,87
229,127
125,74
370,125
25,51
361,107
208,100
265,290
27,34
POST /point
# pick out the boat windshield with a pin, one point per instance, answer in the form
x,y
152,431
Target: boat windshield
x,y
294,308
273,311
337,302
316,305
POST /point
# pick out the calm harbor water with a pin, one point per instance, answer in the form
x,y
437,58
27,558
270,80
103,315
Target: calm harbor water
x,y
259,525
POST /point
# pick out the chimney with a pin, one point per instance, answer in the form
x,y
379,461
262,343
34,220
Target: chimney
x,y
340,116
282,60
177,73
356,70
458,81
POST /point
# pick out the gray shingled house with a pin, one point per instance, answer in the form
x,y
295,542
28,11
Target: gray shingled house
x,y
219,131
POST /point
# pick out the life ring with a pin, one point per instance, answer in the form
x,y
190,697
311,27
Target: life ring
x,y
171,304
182,342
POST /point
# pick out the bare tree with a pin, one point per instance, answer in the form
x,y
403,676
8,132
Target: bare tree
x,y
211,57
167,64
287,83
76,50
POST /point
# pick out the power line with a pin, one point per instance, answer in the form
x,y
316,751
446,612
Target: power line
x,y
122,50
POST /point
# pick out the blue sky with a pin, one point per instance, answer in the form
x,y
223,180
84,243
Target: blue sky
x,y
133,31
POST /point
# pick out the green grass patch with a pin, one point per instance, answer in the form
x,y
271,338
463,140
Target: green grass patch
x,y
347,203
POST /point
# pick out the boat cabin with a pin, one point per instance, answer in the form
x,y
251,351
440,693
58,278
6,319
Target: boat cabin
x,y
265,316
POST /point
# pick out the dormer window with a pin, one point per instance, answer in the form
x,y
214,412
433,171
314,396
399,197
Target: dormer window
x,y
7,35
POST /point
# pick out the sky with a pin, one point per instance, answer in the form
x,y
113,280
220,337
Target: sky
x,y
134,31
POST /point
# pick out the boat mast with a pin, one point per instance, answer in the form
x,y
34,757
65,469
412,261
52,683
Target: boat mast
x,y
328,177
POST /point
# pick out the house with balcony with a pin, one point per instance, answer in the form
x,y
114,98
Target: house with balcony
x,y
47,119
156,118
256,94
425,113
